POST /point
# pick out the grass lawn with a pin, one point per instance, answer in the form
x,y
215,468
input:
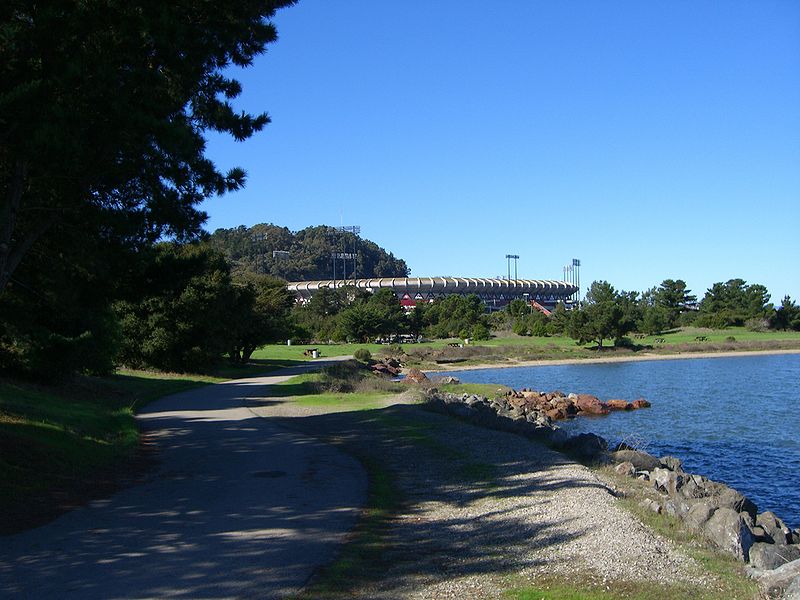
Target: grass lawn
x,y
506,346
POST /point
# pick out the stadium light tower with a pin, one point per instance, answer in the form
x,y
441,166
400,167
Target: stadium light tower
x,y
516,258
355,230
576,264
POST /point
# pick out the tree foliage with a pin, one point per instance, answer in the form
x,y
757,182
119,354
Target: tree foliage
x,y
103,107
733,303
187,312
310,250
606,314
787,315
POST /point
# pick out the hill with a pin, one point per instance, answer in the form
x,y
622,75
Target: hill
x,y
309,250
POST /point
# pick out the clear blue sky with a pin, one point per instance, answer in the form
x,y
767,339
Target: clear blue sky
x,y
651,140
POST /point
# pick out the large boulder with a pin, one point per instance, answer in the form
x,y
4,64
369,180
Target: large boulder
x,y
666,481
416,376
698,515
641,460
782,582
774,527
626,469
589,404
728,531
772,556
619,405
587,446
727,497
672,463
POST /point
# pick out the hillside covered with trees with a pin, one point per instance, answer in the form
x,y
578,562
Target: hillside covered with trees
x,y
303,255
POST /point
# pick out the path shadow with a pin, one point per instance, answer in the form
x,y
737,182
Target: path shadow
x,y
416,445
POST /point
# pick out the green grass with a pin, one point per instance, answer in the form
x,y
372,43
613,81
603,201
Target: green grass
x,y
55,440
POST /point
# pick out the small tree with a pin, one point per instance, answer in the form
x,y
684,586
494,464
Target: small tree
x,y
605,315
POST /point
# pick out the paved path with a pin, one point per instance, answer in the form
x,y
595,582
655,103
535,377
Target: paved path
x,y
237,507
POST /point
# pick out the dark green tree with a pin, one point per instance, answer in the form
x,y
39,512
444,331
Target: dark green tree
x,y
103,107
183,317
260,315
787,315
456,316
606,314
733,303
305,254
675,298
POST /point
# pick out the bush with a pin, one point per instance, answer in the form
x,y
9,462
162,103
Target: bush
x,y
363,355
480,332
730,338
757,324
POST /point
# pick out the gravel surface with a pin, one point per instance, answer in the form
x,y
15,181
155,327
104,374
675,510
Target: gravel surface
x,y
484,509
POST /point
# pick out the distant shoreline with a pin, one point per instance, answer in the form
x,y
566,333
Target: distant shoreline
x,y
611,359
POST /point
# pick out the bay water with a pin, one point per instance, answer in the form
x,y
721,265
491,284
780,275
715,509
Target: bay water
x,y
732,419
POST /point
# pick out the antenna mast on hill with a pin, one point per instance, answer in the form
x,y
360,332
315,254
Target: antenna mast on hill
x,y
355,230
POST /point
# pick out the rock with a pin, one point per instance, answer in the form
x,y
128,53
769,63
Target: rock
x,y
759,535
626,469
651,505
448,380
556,413
641,460
698,515
774,527
772,556
589,404
619,405
587,446
793,591
666,481
691,490
677,507
672,463
727,497
416,376
727,530
640,403
782,581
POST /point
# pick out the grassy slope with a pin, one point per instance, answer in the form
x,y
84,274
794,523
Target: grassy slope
x,y
57,444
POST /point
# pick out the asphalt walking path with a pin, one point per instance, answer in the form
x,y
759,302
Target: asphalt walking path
x,y
237,507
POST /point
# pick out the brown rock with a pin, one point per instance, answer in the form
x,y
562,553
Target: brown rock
x,y
556,413
416,376
640,403
619,405
589,404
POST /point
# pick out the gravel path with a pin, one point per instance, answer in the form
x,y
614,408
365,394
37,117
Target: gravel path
x,y
486,509
237,507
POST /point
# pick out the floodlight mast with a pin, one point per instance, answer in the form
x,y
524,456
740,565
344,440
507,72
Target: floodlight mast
x,y
516,258
355,230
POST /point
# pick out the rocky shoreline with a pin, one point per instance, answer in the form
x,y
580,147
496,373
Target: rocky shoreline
x,y
727,519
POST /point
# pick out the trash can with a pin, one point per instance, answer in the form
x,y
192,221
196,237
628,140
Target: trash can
x,y
314,354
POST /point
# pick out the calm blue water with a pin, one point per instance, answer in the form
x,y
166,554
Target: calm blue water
x,y
735,420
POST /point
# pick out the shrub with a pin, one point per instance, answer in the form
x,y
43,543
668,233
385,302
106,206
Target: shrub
x,y
363,355
757,324
730,338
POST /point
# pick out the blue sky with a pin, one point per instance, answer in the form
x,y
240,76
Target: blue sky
x,y
651,140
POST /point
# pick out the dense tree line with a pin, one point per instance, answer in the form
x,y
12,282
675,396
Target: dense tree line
x,y
305,254
610,315
103,111
345,314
